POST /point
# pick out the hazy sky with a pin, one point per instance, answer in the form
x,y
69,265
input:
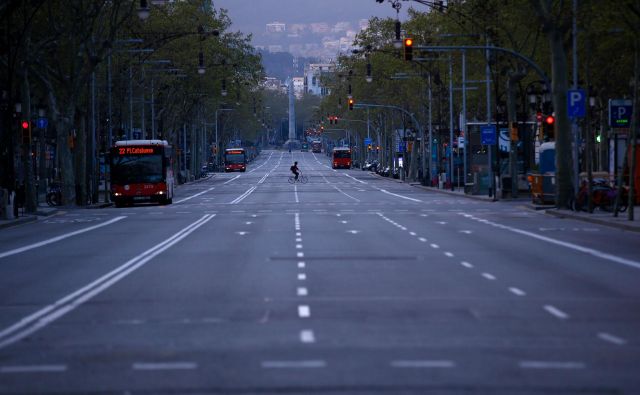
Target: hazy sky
x,y
251,16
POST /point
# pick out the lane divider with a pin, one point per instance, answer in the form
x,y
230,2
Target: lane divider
x,y
47,315
243,196
59,238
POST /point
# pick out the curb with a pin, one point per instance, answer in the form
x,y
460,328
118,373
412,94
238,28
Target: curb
x,y
19,221
450,193
100,205
597,221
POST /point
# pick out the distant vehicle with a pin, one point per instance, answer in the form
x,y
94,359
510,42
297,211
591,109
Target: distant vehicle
x,y
141,171
305,147
235,159
316,147
341,158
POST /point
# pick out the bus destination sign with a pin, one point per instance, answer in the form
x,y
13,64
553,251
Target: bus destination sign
x,y
136,150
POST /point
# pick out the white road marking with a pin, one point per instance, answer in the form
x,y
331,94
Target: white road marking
x,y
304,311
448,254
422,239
344,222
466,264
434,246
355,179
295,193
310,364
298,234
301,291
346,194
196,195
300,254
242,233
299,246
412,233
423,364
556,312
243,196
33,369
488,276
164,366
48,314
307,336
611,338
551,365
298,240
400,196
58,238
301,265
517,291
576,247
466,232
353,232
441,223
248,223
302,276
234,178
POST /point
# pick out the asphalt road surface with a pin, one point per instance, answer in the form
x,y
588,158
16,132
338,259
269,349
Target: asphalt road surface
x,y
349,284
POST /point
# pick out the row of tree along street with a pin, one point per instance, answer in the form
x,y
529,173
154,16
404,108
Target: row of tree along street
x,y
78,75
453,85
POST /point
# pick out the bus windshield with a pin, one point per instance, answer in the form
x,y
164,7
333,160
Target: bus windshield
x,y
341,154
234,158
137,169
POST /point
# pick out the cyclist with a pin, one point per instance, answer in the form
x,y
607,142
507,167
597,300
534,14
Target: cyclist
x,y
294,169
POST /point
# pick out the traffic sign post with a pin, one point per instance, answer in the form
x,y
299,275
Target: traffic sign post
x,y
576,103
488,134
620,112
42,123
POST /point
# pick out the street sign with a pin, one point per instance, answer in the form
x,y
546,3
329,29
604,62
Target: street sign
x,y
367,141
488,134
620,113
42,123
576,103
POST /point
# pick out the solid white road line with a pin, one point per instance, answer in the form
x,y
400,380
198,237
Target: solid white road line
x,y
234,178
33,369
196,195
294,364
423,364
307,336
295,193
45,316
300,254
301,265
58,238
551,365
400,196
164,366
243,196
355,179
517,291
611,338
575,247
304,311
346,194
556,312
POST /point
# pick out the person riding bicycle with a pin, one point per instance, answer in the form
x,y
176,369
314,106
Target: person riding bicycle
x,y
294,169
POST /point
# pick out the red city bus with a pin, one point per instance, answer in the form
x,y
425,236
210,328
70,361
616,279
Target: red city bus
x,y
235,159
341,158
141,171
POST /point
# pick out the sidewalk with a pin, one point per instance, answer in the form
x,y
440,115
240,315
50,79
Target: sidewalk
x,y
597,217
43,211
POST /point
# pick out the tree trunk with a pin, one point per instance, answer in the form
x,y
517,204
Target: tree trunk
x,y
80,154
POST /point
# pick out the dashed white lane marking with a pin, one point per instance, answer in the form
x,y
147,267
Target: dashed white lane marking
x,y
302,276
612,338
441,223
551,365
298,234
309,364
295,193
434,246
33,369
344,222
422,239
556,312
517,291
304,311
298,240
353,232
468,232
243,196
423,364
576,247
466,264
449,254
301,265
164,366
307,336
58,238
300,254
412,233
196,195
355,179
242,233
301,291
298,246
488,276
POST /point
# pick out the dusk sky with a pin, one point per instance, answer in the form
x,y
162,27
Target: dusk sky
x,y
251,16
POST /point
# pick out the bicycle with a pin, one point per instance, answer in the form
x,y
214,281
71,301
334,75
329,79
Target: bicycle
x,y
301,179
603,196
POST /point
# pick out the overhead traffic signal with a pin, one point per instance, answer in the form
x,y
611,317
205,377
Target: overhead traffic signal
x,y
351,103
408,49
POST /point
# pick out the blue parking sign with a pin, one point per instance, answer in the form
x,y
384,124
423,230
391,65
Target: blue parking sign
x,y
488,134
620,113
576,103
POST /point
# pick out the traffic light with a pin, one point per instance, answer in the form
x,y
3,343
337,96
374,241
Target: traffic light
x,y
369,147
351,102
550,120
408,49
26,132
548,127
598,138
